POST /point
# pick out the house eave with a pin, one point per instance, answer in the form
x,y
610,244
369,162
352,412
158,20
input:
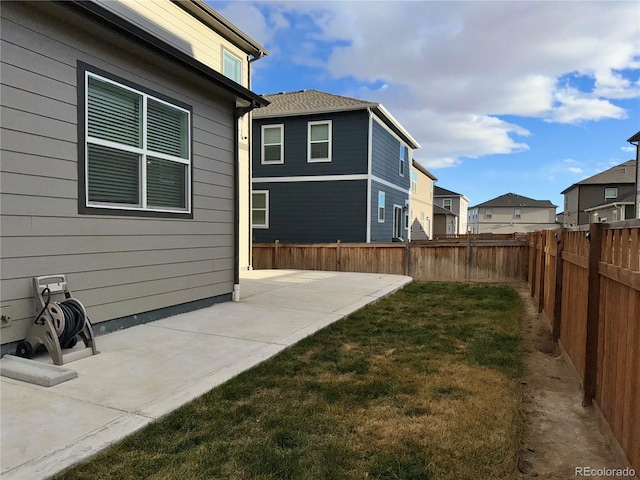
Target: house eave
x,y
391,122
228,30
98,14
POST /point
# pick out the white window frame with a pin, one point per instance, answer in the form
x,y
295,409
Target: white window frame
x,y
488,213
448,201
281,143
266,208
609,197
142,152
310,142
517,214
404,157
381,206
235,58
414,182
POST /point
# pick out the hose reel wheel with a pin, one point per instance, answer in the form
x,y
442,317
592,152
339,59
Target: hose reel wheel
x,y
57,317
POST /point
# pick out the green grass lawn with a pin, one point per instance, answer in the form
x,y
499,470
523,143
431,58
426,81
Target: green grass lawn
x,y
421,385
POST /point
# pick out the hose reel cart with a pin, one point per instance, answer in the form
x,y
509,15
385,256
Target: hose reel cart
x,y
60,320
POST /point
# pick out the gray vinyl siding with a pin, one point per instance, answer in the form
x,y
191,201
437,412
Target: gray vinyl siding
x,y
593,195
383,232
315,212
349,146
117,266
386,157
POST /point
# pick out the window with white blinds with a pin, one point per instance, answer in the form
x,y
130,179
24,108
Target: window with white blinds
x,y
137,149
231,66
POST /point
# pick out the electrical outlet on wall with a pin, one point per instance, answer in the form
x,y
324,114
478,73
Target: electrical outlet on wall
x,y
5,316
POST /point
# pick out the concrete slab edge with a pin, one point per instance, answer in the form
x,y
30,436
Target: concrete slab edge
x,y
79,451
37,373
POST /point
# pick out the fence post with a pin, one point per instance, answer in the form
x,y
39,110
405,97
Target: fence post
x,y
276,255
467,264
407,253
557,305
593,313
541,270
339,255
533,262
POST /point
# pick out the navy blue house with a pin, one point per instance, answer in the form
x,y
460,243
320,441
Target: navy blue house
x,y
326,168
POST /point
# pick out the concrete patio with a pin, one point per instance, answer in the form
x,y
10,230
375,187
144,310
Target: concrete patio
x,y
145,372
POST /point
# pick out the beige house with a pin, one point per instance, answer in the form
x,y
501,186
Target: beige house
x,y
511,213
125,159
421,202
456,203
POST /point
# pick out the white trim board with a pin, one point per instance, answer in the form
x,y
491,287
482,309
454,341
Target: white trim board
x,y
310,178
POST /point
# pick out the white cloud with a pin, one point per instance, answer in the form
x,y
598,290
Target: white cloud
x,y
629,149
450,70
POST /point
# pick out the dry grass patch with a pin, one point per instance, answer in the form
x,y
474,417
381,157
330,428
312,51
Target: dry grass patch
x,y
422,385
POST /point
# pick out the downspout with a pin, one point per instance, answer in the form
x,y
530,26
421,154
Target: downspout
x,y
238,113
250,143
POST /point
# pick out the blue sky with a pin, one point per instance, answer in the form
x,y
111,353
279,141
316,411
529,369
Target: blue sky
x,y
526,97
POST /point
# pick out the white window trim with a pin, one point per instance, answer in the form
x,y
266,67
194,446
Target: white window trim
x,y
382,208
610,197
266,209
488,213
414,183
517,214
309,142
235,57
444,204
142,152
262,144
402,164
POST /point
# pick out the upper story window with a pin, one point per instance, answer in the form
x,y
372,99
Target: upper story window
x,y
404,157
260,209
319,135
610,193
272,144
414,182
517,213
231,66
381,205
488,213
446,204
137,149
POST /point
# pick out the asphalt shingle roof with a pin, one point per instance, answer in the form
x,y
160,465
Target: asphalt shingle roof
x,y
514,200
439,192
308,102
623,173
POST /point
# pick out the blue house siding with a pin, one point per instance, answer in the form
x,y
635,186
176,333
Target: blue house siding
x,y
349,145
315,212
383,232
386,157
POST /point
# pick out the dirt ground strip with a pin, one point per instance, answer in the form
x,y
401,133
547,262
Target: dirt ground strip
x,y
560,434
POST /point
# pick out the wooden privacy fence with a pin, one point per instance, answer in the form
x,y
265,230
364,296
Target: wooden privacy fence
x,y
468,260
587,283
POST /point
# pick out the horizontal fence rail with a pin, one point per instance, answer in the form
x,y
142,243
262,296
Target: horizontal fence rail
x,y
587,284
455,260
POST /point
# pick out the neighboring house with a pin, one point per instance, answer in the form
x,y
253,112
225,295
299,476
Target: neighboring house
x,y
636,139
445,222
421,203
622,209
511,213
328,168
607,187
454,202
121,156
